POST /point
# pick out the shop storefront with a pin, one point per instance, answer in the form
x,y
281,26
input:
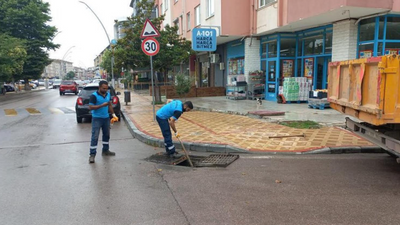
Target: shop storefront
x,y
379,36
302,54
235,69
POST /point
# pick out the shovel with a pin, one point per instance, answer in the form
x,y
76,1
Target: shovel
x,y
186,154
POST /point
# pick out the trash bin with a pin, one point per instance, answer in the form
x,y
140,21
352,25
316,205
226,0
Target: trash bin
x,y
127,96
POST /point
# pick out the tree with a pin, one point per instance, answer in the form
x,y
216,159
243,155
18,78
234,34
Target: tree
x,y
128,53
12,57
70,75
174,50
183,84
27,20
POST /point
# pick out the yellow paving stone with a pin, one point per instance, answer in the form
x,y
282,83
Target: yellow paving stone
x,y
10,112
33,111
241,131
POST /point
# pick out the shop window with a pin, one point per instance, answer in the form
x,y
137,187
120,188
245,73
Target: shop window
x,y
299,62
393,28
366,50
264,66
236,66
313,45
300,48
288,47
272,49
392,48
328,43
381,27
264,50
380,48
367,29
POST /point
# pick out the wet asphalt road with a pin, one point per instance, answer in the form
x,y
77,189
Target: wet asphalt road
x,y
45,179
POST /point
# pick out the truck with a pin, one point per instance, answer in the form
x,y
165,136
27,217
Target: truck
x,y
367,90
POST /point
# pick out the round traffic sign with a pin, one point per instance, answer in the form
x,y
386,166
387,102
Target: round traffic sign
x,y
150,46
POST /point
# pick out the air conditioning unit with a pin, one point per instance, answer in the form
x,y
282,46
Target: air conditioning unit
x,y
214,58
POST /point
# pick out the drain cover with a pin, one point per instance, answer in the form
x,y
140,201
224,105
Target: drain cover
x,y
220,160
214,160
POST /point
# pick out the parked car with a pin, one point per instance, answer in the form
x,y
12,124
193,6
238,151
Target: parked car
x,y
41,82
56,83
21,85
82,103
9,88
68,86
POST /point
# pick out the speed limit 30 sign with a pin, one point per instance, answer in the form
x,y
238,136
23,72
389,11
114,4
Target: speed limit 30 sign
x,y
150,46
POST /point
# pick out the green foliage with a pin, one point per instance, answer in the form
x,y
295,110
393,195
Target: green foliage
x,y
27,20
128,53
12,57
70,75
183,84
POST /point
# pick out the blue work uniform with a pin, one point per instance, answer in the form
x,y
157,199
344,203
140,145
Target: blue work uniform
x,y
100,120
173,110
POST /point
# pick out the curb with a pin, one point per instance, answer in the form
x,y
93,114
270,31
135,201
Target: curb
x,y
136,133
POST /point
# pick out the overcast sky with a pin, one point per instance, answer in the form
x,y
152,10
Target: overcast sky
x,y
80,28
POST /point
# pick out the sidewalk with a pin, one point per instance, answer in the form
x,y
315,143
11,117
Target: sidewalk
x,y
230,131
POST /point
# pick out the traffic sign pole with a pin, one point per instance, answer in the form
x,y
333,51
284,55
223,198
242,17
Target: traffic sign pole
x,y
152,87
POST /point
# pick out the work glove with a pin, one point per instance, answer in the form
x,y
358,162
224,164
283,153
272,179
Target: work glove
x,y
114,119
177,135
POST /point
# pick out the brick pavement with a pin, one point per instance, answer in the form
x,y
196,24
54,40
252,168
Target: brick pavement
x,y
240,131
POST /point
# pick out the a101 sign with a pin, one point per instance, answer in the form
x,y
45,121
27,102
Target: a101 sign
x,y
204,39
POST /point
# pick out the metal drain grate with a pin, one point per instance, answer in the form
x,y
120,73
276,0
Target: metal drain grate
x,y
214,160
219,160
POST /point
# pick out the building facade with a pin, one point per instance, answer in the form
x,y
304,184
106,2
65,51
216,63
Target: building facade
x,y
263,41
57,69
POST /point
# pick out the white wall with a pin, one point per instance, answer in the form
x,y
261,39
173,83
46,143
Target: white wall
x,y
251,56
267,18
344,44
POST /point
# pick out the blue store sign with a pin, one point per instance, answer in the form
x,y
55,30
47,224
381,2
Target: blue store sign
x,y
204,39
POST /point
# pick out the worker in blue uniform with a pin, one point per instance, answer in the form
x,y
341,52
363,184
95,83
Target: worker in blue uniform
x,y
166,117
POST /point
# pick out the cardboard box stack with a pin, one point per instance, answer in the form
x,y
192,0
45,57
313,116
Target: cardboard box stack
x,y
296,88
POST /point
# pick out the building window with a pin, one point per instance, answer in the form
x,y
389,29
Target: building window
x,y
156,10
265,2
210,11
198,15
166,5
313,45
288,47
328,43
188,22
393,28
176,23
367,29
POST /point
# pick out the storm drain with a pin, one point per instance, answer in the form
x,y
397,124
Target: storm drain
x,y
213,160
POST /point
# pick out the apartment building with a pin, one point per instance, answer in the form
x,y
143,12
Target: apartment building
x,y
283,38
57,69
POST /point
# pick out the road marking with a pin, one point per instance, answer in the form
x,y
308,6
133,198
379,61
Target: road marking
x,y
10,112
33,111
66,110
56,111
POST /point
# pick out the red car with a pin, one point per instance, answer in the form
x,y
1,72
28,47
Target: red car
x,y
68,86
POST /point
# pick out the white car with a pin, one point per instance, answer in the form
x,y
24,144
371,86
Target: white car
x,y
80,83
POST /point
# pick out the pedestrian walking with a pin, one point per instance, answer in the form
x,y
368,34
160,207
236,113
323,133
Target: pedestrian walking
x,y
166,117
100,104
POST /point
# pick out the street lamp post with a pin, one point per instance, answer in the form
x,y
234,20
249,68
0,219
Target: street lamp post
x,y
62,60
112,56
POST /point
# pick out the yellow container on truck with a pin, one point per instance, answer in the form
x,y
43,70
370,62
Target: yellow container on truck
x,y
367,89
